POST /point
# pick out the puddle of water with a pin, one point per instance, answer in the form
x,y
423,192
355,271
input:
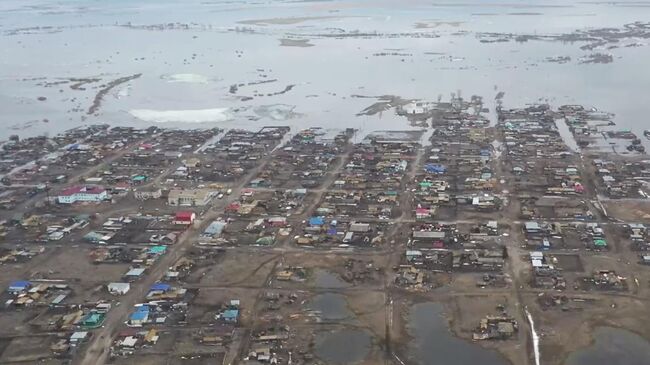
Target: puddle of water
x,y
326,279
343,347
433,343
613,346
331,306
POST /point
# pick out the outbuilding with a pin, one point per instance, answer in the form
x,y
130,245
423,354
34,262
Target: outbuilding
x,y
119,288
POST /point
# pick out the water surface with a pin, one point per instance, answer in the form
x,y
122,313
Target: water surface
x,y
434,344
346,346
212,45
327,279
331,306
613,346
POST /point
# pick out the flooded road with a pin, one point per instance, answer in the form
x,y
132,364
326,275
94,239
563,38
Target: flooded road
x,y
434,344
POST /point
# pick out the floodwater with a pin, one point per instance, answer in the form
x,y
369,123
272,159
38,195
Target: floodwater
x,y
566,135
231,63
329,280
331,306
346,346
613,346
434,344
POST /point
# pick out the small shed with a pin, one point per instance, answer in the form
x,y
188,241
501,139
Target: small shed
x,y
118,288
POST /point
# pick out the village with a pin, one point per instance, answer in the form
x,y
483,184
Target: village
x,y
278,246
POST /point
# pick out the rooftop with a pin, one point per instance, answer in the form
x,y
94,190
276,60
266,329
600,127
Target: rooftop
x,y
86,189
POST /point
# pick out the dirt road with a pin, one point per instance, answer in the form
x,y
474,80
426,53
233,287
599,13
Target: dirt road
x,y
98,349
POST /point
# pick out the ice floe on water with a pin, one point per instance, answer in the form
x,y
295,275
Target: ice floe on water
x,y
186,78
183,116
276,111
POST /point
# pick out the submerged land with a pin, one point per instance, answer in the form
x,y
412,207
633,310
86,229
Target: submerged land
x,y
324,182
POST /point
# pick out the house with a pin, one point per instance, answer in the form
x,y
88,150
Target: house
x,y
82,193
484,202
359,227
214,229
157,250
78,337
58,299
192,162
316,221
435,169
160,287
121,187
168,239
184,217
412,255
129,342
277,221
423,213
189,197
532,227
139,317
139,179
93,320
230,315
134,274
118,288
146,194
19,286
429,235
173,155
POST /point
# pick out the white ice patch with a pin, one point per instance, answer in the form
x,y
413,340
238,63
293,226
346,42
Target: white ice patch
x,y
186,78
278,112
535,338
183,116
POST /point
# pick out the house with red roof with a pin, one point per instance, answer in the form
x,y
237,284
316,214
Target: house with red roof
x,y
184,217
82,193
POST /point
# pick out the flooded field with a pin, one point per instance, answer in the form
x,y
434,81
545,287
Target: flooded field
x,y
317,63
343,347
613,346
326,279
331,307
433,342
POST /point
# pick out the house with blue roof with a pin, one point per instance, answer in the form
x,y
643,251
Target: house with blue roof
x,y
19,286
316,221
158,250
214,229
139,317
160,287
230,315
435,168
